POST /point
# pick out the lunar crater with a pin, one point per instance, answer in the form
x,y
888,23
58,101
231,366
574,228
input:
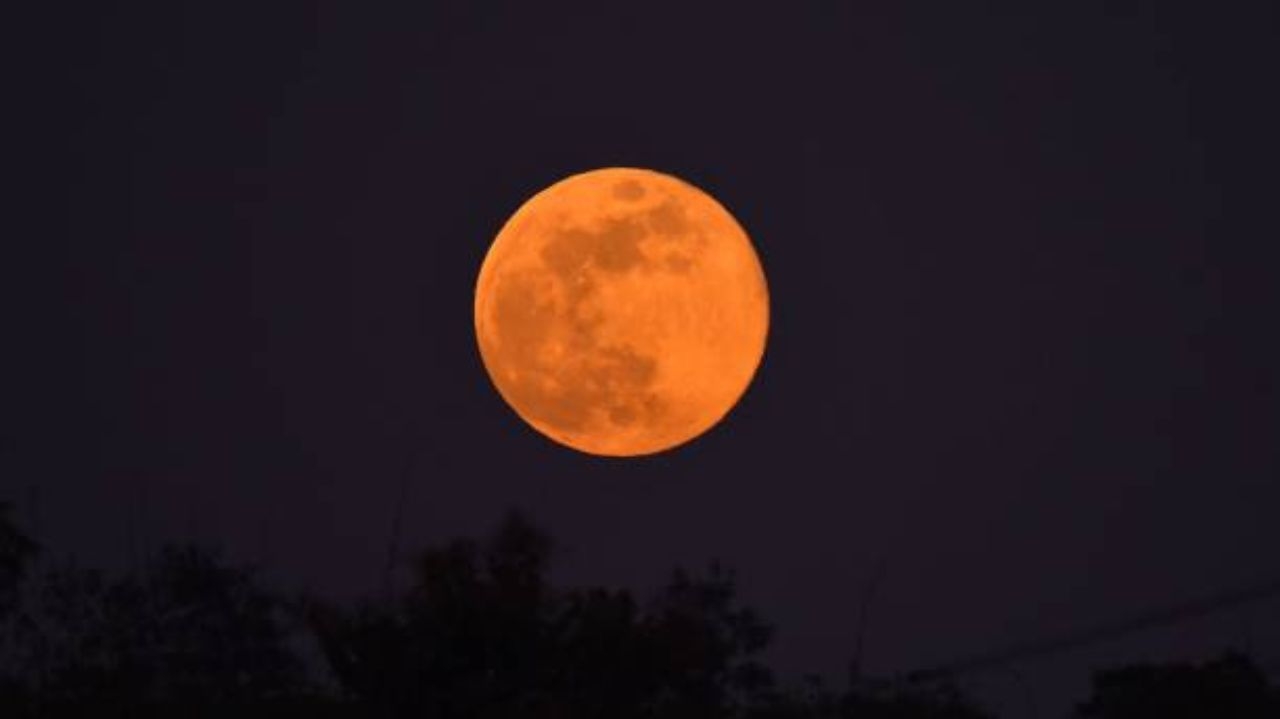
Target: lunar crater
x,y
628,190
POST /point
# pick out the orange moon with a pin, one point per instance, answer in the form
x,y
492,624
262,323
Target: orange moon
x,y
621,312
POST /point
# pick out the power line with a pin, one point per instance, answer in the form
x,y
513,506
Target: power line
x,y
1104,631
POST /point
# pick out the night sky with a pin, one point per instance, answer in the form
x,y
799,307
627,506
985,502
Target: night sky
x,y
1022,353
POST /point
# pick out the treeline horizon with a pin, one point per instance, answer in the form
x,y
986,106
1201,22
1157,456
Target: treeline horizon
x,y
479,631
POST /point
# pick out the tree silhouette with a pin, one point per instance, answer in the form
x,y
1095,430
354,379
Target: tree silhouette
x,y
187,636
1230,687
480,633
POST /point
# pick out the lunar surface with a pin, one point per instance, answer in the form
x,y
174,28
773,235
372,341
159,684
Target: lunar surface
x,y
621,312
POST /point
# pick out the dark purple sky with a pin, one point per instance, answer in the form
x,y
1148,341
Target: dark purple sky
x,y
1022,271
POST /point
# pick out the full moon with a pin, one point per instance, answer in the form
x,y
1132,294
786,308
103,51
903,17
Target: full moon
x,y
621,312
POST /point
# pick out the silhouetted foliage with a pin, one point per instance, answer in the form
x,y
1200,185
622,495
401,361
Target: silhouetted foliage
x,y
1230,687
187,636
480,633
